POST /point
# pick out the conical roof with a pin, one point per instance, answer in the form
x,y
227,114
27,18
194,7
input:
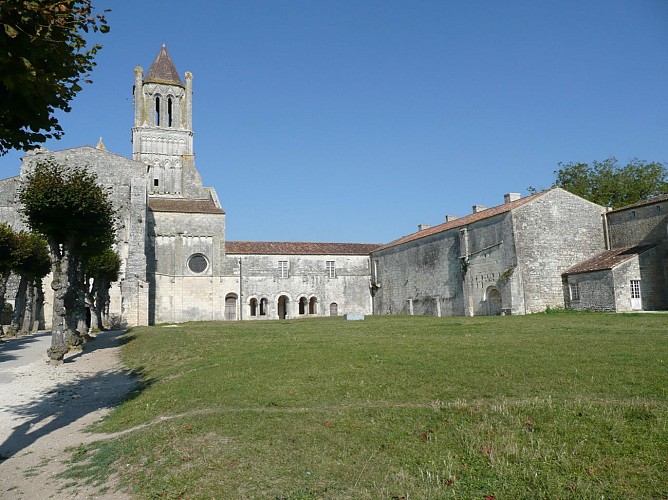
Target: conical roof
x,y
162,70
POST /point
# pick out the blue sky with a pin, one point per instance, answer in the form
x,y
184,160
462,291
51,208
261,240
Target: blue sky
x,y
354,121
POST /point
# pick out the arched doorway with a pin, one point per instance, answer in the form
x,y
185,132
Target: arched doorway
x,y
313,306
253,307
231,307
302,306
493,302
333,309
283,302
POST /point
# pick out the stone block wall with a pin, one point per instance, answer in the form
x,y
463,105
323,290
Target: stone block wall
x,y
552,233
307,278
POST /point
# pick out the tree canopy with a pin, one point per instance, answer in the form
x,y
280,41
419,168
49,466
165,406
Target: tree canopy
x,y
44,56
612,185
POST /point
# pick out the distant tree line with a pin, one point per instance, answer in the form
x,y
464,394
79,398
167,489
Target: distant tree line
x,y
613,185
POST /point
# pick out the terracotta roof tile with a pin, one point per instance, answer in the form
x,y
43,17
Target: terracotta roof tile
x,y
298,248
463,221
649,201
162,70
608,259
183,205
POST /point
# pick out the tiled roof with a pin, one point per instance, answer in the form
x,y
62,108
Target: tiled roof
x,y
162,70
298,248
607,259
463,221
183,205
641,203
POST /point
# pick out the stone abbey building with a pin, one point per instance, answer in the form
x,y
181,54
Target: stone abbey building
x,y
549,249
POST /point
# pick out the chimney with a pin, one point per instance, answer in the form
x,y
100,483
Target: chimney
x,y
478,208
422,227
451,217
507,198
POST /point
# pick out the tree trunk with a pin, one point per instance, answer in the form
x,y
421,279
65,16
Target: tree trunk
x,y
101,304
19,306
3,288
93,305
73,306
60,260
29,310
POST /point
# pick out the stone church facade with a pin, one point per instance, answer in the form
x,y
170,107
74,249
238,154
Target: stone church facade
x,y
177,265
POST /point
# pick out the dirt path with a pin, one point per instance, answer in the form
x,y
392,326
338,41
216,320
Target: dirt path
x,y
46,409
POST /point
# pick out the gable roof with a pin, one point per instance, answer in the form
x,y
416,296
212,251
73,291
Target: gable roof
x,y
183,205
467,219
298,248
641,203
607,260
162,70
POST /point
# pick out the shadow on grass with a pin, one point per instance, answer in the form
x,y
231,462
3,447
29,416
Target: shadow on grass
x,y
66,403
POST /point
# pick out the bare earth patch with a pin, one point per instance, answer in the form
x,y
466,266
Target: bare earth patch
x,y
45,409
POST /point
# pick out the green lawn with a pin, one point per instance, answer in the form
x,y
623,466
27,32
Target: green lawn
x,y
547,405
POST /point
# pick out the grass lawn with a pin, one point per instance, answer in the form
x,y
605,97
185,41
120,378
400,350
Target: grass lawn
x,y
541,406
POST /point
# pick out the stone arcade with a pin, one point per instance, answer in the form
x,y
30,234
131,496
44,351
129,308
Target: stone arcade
x,y
551,249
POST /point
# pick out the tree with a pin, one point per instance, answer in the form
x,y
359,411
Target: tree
x,y
74,213
103,269
31,263
7,248
44,59
611,185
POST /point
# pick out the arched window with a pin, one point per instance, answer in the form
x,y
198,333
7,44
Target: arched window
x,y
253,307
302,305
157,111
169,112
333,309
264,304
313,306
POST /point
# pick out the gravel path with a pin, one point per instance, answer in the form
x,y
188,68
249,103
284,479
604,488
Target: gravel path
x,y
45,409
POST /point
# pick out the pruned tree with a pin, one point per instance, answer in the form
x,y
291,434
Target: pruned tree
x,y
74,213
44,58
612,185
31,264
7,256
102,270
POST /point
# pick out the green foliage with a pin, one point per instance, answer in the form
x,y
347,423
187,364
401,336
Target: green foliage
x,y
44,58
31,256
68,206
105,266
611,185
539,406
7,247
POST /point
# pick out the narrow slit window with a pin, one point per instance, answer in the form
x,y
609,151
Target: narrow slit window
x,y
157,111
169,112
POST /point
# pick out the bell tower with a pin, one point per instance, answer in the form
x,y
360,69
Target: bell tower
x,y
162,136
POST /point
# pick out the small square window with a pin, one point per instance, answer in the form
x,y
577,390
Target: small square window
x,y
283,268
331,270
155,182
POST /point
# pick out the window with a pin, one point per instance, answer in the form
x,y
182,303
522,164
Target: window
x,y
331,270
253,307
155,182
264,303
197,263
282,268
575,291
635,289
169,112
157,111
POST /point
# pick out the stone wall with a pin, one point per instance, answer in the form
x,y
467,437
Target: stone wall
x,y
552,233
307,278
